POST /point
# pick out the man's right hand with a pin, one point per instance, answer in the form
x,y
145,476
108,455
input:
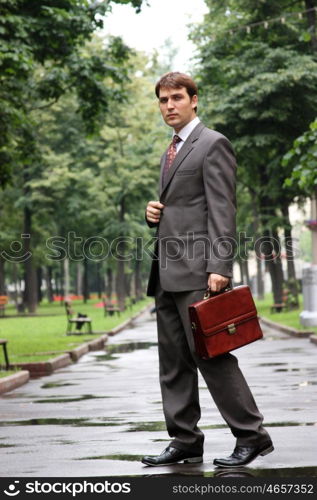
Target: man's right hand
x,y
153,211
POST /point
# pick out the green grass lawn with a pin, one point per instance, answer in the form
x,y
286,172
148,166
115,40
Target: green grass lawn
x,y
288,318
39,338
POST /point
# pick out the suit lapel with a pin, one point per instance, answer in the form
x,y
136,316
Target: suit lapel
x,y
187,147
163,159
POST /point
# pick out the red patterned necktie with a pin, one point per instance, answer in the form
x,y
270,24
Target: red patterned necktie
x,y
170,156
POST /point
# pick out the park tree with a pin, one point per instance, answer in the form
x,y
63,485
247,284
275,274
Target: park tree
x,y
258,75
302,157
94,188
42,57
130,169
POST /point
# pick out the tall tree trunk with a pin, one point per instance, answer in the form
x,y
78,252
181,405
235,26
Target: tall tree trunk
x,y
100,287
273,260
85,282
259,266
127,283
291,274
61,282
79,278
2,277
49,287
138,280
241,271
30,278
66,277
39,275
245,267
259,278
120,278
57,290
15,280
279,282
109,288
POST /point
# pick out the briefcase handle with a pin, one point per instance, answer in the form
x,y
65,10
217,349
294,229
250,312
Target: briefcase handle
x,y
209,293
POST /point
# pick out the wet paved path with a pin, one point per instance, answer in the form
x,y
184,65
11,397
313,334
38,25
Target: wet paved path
x,y
100,415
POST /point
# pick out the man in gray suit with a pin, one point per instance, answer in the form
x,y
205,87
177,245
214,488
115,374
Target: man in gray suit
x,y
195,221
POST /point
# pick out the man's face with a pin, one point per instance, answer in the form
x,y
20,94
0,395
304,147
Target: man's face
x,y
177,107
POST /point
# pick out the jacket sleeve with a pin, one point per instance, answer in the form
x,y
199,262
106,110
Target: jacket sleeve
x,y
219,174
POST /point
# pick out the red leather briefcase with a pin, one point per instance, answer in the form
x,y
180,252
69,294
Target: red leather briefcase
x,y
224,322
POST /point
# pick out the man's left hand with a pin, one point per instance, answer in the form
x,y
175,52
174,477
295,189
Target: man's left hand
x,y
217,282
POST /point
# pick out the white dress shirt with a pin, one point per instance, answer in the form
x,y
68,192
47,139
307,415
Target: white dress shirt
x,y
185,132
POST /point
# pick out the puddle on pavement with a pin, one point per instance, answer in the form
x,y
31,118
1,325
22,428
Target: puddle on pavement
x,y
51,385
127,458
123,348
76,422
272,364
57,399
160,426
147,426
64,441
289,424
189,470
287,370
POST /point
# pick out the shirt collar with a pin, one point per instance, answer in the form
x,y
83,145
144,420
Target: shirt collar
x,y
187,130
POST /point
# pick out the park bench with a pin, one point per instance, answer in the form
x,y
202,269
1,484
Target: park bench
x,y
111,309
278,307
284,305
3,303
80,321
3,342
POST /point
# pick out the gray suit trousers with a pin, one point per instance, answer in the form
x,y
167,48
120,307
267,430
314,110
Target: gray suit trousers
x,y
179,379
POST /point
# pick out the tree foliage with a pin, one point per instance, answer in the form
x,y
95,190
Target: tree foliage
x,y
42,57
259,86
303,158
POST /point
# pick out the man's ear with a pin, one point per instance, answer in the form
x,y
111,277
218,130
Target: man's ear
x,y
194,101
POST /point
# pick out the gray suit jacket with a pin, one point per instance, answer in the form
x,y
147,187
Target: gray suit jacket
x,y
196,232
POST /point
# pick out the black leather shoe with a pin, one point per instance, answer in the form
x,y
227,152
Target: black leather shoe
x,y
172,456
243,455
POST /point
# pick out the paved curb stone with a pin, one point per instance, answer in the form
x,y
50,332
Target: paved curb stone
x,y
313,339
97,344
287,329
40,368
13,381
78,352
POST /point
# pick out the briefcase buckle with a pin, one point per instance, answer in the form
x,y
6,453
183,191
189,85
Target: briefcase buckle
x,y
231,329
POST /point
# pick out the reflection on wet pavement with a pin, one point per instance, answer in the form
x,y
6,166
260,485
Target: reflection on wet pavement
x,y
56,399
52,385
127,458
123,348
241,472
78,422
73,437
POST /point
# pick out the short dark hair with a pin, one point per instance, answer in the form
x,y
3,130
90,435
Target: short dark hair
x,y
176,80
